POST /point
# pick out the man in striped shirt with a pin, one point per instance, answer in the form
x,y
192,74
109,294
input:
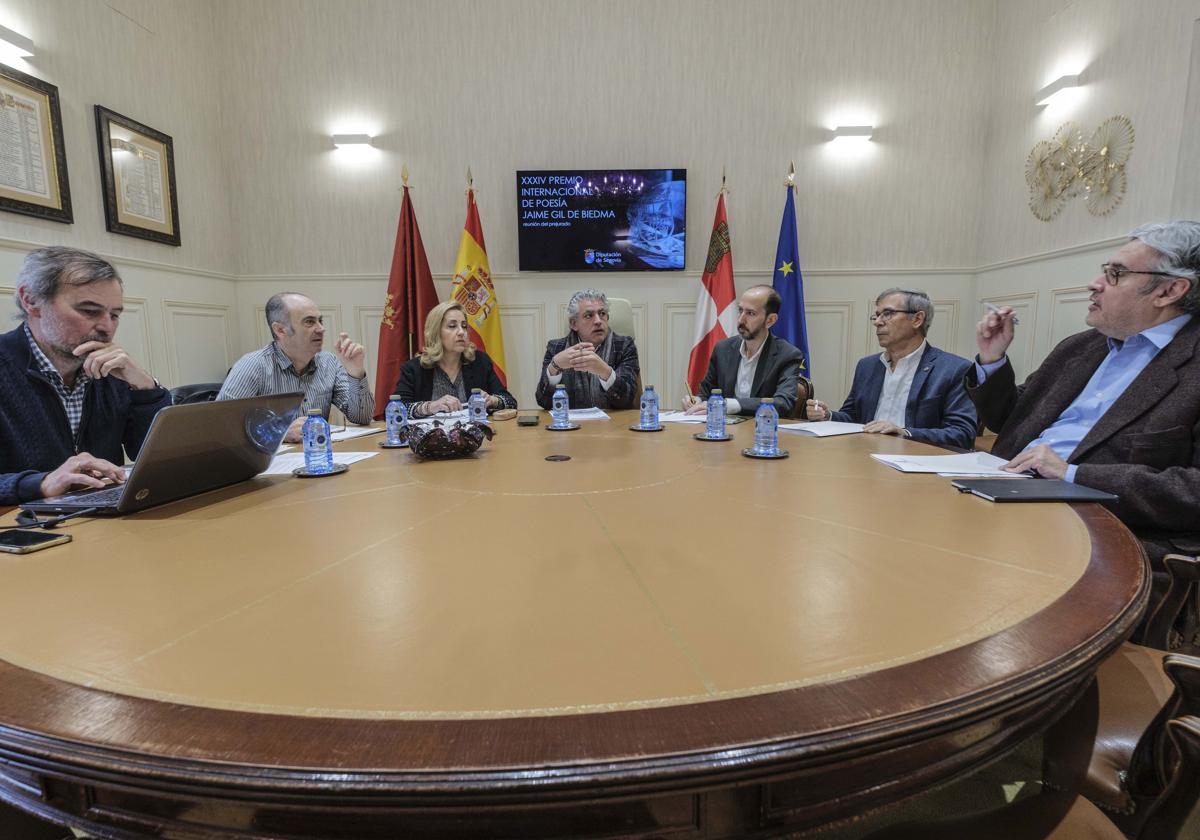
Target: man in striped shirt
x,y
294,361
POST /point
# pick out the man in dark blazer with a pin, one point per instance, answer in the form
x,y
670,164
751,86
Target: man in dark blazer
x,y
1116,407
911,389
598,368
72,403
753,364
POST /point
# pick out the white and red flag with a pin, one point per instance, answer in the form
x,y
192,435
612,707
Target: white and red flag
x,y
716,309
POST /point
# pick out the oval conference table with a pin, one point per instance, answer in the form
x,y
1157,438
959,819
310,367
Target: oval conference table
x,y
658,637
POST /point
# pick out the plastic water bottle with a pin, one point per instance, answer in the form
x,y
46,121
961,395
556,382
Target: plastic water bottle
x,y
394,416
318,448
560,408
766,428
477,406
715,422
649,418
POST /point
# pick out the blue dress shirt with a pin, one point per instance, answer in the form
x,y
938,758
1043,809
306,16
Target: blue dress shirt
x,y
1125,360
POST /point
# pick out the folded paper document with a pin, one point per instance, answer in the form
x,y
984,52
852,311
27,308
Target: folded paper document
x,y
969,463
823,428
284,464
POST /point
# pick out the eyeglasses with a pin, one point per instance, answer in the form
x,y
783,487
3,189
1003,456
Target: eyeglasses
x,y
1113,275
889,314
598,315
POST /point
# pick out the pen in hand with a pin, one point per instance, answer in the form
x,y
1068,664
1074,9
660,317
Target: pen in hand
x,y
991,307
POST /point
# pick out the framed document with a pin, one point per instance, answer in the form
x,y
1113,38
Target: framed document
x,y
33,160
137,170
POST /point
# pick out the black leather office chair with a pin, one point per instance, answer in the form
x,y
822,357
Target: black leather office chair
x,y
198,393
1139,688
1070,816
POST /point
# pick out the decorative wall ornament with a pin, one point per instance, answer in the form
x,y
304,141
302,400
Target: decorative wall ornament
x,y
1069,166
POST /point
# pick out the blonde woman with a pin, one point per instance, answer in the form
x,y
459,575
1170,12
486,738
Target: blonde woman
x,y
442,377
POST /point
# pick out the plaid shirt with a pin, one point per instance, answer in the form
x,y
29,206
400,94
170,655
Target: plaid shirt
x,y
323,381
72,399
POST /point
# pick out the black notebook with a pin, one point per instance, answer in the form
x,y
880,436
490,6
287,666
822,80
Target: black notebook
x,y
1030,490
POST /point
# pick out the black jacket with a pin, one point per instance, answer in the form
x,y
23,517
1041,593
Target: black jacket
x,y
35,435
416,381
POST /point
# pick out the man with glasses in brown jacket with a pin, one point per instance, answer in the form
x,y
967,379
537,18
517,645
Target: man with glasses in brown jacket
x,y
1116,407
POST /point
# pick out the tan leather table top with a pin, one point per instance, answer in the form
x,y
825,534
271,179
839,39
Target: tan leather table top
x,y
648,570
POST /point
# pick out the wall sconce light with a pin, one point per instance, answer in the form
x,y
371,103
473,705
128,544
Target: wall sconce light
x,y
16,41
859,133
1062,83
340,140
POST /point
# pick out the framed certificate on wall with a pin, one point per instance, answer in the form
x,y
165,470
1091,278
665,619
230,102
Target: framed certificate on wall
x,y
33,160
137,171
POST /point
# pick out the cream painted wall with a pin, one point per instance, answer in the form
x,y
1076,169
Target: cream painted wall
x,y
1135,59
153,62
501,86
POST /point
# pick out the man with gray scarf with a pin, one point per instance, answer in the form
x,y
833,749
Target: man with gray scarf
x,y
598,368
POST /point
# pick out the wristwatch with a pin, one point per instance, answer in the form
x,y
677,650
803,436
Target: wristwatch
x,y
553,369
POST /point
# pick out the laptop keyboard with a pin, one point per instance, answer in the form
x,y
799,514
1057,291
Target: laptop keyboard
x,y
107,497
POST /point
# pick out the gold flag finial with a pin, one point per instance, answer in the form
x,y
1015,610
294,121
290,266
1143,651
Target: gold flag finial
x,y
470,180
723,189
791,178
404,174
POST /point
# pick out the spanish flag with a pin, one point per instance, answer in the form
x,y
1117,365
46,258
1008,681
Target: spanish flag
x,y
472,287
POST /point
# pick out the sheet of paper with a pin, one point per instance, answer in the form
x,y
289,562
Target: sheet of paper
x,y
822,428
680,417
578,414
969,463
284,464
351,432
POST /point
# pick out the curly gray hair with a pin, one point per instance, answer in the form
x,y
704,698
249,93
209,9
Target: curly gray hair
x,y
1178,246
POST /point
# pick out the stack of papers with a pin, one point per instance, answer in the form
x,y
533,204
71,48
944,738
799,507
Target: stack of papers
x,y
578,414
284,464
970,463
823,428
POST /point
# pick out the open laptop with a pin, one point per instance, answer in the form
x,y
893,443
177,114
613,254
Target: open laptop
x,y
190,449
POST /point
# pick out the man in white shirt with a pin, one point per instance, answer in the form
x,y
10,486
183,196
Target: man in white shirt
x,y
912,388
754,364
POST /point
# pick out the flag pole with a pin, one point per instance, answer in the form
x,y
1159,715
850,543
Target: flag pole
x,y
404,181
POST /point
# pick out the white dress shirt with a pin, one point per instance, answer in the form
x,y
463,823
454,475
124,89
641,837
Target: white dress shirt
x,y
747,367
893,399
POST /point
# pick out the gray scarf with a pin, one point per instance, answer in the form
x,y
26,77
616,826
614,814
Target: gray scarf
x,y
583,387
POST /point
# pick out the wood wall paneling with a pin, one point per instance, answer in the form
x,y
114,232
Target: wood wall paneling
x,y
1023,351
678,337
524,346
199,341
1068,308
830,342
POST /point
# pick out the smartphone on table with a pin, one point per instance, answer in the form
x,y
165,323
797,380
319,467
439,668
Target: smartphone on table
x,y
24,542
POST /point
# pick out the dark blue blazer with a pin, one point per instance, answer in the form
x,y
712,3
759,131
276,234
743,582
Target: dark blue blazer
x,y
939,410
35,435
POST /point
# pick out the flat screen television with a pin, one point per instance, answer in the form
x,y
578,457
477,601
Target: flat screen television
x,y
601,219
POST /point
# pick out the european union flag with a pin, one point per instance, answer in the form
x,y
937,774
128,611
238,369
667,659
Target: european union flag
x,y
790,284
